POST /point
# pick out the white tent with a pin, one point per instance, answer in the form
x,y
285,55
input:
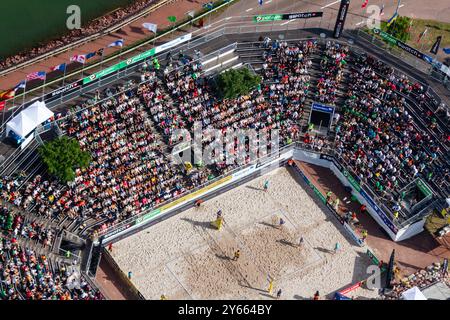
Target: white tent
x,y
26,121
38,112
413,294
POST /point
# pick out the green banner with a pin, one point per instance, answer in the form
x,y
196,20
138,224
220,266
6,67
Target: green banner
x,y
267,17
148,216
120,65
352,181
317,192
386,36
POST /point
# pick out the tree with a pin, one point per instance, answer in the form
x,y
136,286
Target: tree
x,y
234,83
400,28
62,156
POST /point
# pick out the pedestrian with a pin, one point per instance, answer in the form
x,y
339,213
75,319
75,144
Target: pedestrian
x,y
68,254
237,254
336,205
110,247
266,185
329,194
363,208
279,294
130,274
316,296
364,235
198,203
337,247
219,214
163,297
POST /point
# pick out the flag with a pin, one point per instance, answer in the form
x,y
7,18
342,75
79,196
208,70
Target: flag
x,y
395,16
260,2
365,3
446,50
59,67
36,75
2,105
172,19
422,34
90,55
382,10
9,94
118,43
21,85
392,19
435,47
81,58
150,26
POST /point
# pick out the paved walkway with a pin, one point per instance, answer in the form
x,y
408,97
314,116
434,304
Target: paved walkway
x,y
412,254
130,33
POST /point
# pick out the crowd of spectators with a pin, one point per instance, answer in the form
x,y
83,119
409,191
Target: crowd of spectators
x,y
26,275
332,65
91,28
17,225
421,279
131,171
378,137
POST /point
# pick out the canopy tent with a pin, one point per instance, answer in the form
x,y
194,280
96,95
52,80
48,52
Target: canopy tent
x,y
413,294
26,121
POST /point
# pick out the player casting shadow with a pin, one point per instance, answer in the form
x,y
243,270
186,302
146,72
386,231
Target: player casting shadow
x,y
287,243
267,295
249,287
297,297
324,250
254,188
223,257
201,224
268,225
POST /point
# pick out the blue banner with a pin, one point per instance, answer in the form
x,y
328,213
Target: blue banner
x,y
323,108
380,212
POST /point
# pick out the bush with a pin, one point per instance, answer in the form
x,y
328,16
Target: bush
x,y
234,83
62,156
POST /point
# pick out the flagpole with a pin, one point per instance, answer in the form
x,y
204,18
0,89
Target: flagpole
x,y
64,79
43,87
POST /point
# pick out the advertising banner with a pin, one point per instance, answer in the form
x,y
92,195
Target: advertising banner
x,y
322,108
340,21
394,41
380,212
64,90
286,16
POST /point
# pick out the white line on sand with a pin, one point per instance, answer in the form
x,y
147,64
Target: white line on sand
x,y
357,24
268,1
249,10
330,4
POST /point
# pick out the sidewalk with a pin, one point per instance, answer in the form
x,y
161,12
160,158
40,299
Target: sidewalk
x,y
130,34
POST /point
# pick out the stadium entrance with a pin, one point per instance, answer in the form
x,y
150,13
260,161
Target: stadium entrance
x,y
321,118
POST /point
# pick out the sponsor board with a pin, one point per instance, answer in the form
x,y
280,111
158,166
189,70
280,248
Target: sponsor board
x,y
173,43
66,89
286,16
352,180
322,108
379,212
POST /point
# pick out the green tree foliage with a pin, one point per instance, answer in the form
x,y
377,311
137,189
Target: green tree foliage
x,y
62,156
400,28
234,83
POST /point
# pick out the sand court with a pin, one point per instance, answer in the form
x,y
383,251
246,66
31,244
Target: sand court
x,y
185,257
